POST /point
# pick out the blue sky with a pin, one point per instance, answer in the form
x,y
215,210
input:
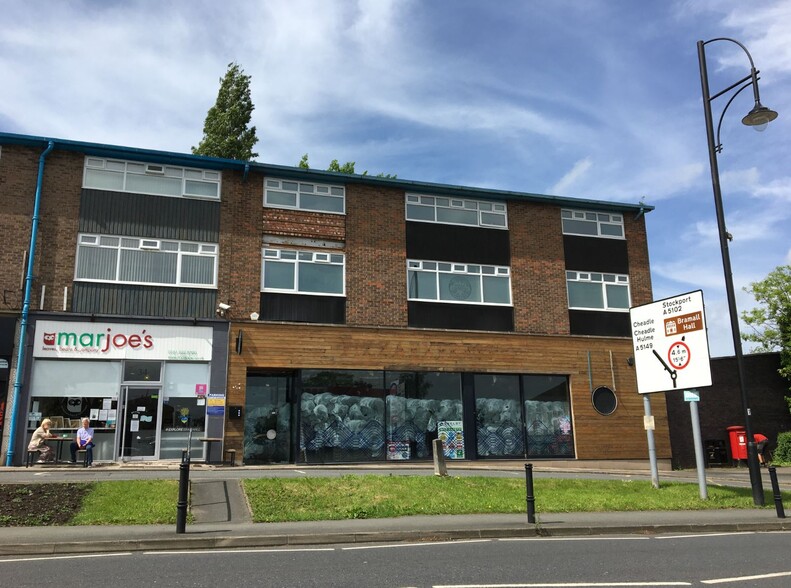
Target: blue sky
x,y
587,98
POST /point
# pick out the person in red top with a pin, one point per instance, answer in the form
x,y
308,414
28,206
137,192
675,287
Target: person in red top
x,y
761,441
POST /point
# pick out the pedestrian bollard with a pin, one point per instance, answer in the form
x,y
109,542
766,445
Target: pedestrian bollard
x,y
184,484
440,469
531,500
781,513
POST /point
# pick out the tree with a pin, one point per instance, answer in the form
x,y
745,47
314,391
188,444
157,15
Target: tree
x,y
225,131
346,168
771,322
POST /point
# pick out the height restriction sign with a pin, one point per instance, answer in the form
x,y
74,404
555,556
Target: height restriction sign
x,y
671,349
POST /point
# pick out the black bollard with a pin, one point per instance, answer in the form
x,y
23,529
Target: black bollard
x,y
531,500
781,513
184,484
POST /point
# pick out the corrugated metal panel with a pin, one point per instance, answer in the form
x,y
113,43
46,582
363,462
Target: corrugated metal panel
x,y
125,299
138,215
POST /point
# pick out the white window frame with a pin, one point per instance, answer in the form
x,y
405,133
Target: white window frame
x,y
482,207
302,256
603,278
126,168
467,269
606,218
204,250
332,192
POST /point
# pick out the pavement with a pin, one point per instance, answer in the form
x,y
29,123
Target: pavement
x,y
222,518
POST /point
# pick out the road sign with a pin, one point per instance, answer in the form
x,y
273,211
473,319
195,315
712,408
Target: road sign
x,y
691,396
671,348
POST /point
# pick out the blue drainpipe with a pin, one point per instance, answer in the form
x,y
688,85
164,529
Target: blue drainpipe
x,y
20,358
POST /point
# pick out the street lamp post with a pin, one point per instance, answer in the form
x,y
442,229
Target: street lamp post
x,y
758,117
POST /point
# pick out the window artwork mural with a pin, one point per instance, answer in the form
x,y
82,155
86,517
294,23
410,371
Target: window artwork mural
x,y
499,424
367,416
342,415
421,406
548,416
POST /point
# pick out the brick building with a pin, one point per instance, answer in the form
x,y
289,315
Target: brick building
x,y
314,317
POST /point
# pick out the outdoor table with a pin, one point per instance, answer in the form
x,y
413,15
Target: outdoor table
x,y
59,440
208,441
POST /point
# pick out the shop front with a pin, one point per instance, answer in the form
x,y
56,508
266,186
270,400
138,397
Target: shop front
x,y
320,394
143,386
333,416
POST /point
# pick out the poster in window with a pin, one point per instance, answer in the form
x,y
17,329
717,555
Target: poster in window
x,y
451,433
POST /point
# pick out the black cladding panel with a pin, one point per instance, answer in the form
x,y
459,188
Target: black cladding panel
x,y
595,254
592,322
473,317
300,308
438,242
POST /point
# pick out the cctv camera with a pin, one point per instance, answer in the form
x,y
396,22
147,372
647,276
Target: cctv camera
x,y
223,306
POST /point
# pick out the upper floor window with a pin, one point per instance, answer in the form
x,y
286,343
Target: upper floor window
x,y
456,211
131,260
303,272
304,196
458,282
598,291
592,224
150,178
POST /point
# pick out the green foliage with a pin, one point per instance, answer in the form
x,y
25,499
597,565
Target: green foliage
x,y
782,454
346,168
226,130
771,322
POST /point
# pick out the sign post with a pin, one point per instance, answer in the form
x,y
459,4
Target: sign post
x,y
671,351
692,396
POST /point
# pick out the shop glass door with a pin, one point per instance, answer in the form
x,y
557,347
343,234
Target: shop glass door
x,y
267,431
140,423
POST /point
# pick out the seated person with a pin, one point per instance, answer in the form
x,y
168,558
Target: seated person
x,y
84,440
37,442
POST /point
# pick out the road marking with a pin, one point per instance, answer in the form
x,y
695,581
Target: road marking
x,y
395,545
746,578
300,472
566,585
50,557
706,535
209,551
574,539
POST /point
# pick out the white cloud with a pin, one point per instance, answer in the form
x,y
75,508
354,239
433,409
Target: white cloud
x,y
569,181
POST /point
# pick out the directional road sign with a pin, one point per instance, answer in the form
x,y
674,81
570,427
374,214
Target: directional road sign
x,y
671,348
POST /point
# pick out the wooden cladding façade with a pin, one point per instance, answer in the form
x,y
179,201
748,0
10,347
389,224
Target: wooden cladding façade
x,y
618,436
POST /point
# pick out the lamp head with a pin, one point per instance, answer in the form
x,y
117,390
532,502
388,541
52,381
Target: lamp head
x,y
759,117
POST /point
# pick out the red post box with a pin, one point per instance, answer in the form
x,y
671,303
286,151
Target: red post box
x,y
737,437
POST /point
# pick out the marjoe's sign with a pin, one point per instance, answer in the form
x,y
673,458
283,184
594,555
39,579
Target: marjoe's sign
x,y
121,341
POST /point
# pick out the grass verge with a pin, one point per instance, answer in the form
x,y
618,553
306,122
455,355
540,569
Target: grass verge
x,y
350,497
135,502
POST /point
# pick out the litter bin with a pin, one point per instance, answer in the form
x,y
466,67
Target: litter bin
x,y
738,440
715,452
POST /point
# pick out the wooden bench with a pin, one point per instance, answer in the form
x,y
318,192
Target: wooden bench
x,y
31,457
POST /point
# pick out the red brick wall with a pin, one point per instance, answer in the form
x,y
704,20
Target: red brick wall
x,y
538,277
18,167
298,223
60,212
637,249
239,274
58,222
375,256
